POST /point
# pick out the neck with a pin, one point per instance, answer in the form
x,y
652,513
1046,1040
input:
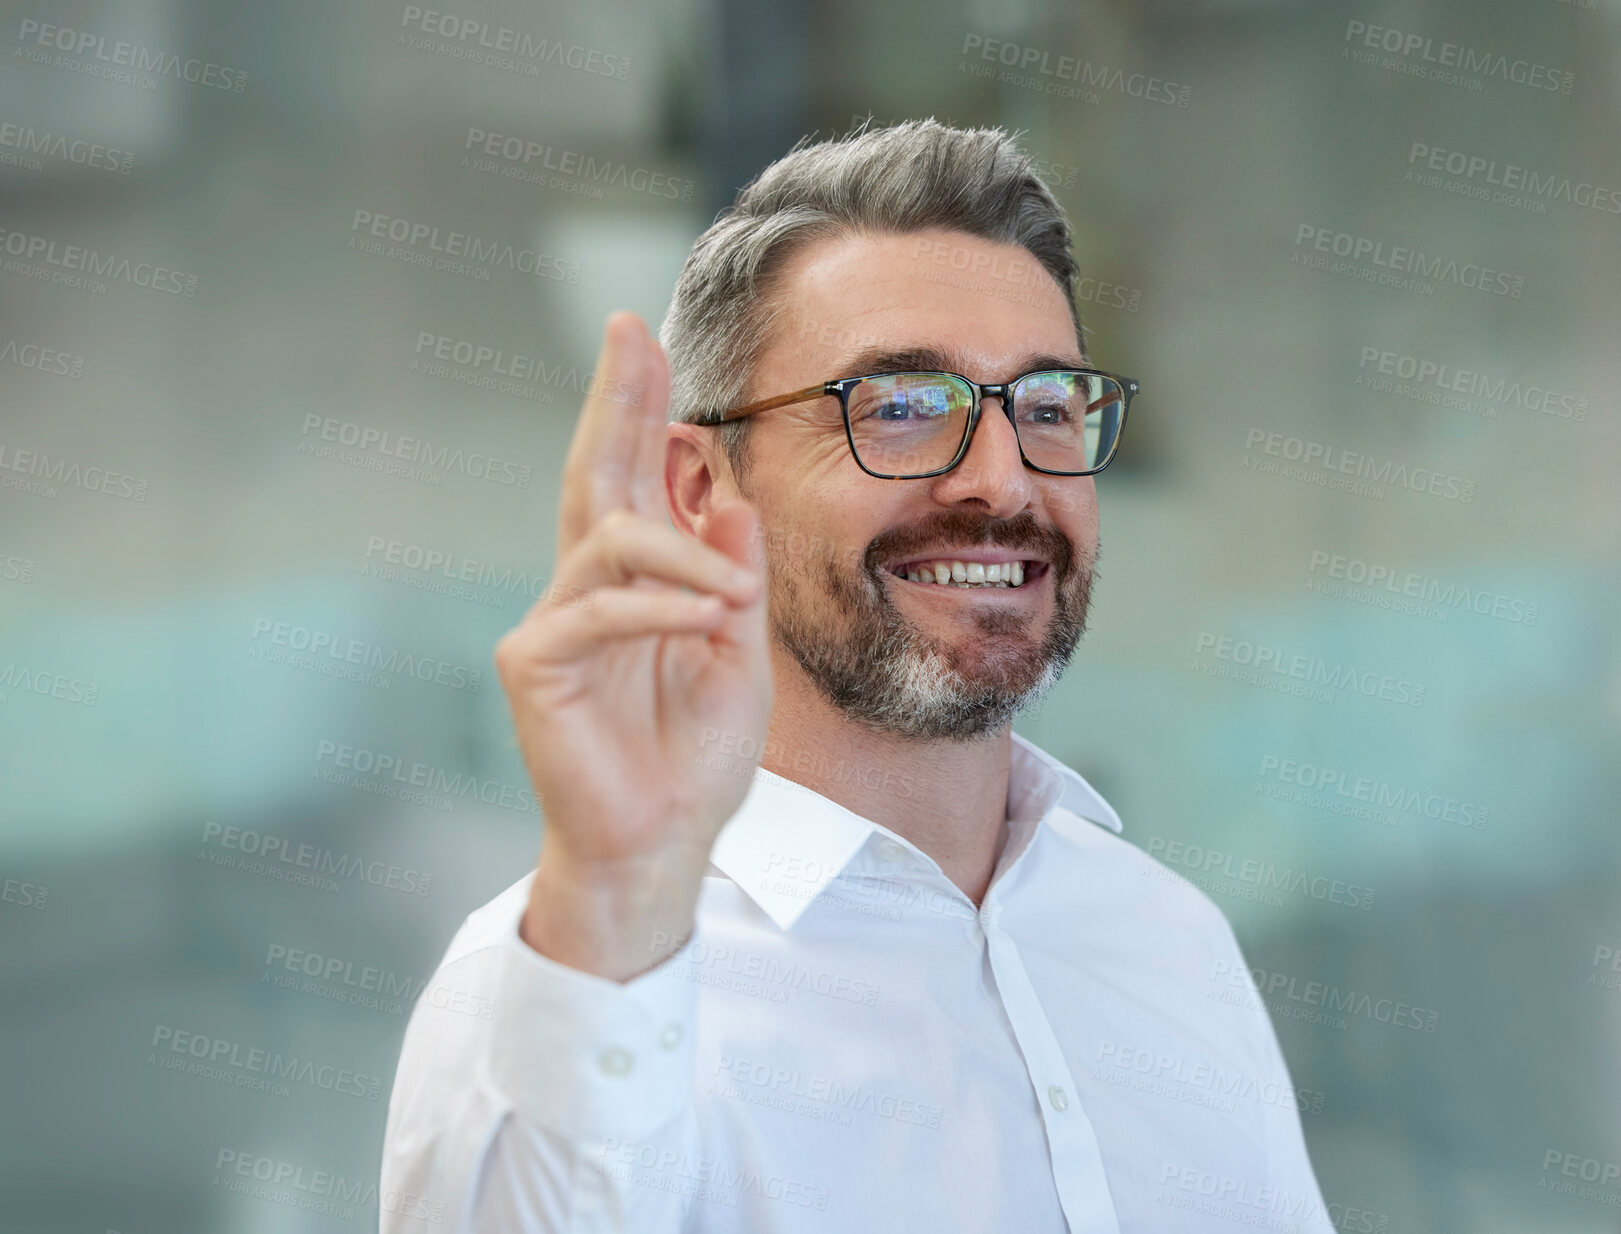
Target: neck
x,y
949,798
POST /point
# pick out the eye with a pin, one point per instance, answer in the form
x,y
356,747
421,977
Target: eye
x,y
1047,413
907,406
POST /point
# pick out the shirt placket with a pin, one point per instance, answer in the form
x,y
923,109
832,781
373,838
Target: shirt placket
x,y
1077,1164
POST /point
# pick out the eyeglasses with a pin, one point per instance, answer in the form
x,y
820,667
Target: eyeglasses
x,y
912,425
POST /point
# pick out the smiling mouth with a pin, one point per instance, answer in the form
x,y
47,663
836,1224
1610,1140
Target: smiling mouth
x,y
970,575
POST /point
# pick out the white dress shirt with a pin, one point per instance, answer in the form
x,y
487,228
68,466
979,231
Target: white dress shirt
x,y
846,1044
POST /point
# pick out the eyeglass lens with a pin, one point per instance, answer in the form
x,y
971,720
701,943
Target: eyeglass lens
x,y
913,423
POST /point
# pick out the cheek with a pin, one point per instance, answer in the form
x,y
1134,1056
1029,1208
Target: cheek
x,y
1073,509
801,457
822,458
827,496
826,535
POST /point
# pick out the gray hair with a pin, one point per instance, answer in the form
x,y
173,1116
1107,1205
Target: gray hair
x,y
914,176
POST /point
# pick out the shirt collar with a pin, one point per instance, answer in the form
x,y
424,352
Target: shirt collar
x,y
786,843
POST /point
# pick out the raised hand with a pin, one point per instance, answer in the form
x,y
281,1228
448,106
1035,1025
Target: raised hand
x,y
662,639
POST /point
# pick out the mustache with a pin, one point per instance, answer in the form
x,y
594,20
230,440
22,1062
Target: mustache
x,y
963,527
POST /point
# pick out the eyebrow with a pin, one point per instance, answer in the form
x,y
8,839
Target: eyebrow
x,y
937,360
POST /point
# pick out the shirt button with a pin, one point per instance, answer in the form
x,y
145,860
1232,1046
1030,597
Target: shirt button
x,y
1059,1100
615,1061
671,1036
891,851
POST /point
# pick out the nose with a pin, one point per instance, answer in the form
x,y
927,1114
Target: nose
x,y
992,474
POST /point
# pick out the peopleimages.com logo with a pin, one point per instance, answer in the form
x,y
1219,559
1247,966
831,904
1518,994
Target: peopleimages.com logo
x,y
1260,873
41,359
391,445
1453,64
1400,265
245,1066
416,242
1433,381
529,161
322,651
394,775
275,856
77,265
1444,596
1326,464
129,64
1329,785
502,47
315,1190
1507,183
1262,663
28,147
1280,990
1037,68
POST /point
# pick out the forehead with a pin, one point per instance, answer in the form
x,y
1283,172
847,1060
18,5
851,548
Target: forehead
x,y
981,300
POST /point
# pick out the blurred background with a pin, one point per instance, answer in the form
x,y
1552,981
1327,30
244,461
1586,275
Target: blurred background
x,y
296,306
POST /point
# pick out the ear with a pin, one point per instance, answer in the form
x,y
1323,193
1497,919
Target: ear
x,y
696,476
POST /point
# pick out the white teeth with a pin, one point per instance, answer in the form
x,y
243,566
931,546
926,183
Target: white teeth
x,y
967,573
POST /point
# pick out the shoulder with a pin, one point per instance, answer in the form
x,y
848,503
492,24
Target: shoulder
x,y
1145,927
1141,889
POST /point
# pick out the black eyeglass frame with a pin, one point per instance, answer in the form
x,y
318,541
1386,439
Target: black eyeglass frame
x,y
1003,391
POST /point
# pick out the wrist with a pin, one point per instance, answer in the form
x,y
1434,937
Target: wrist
x,y
614,919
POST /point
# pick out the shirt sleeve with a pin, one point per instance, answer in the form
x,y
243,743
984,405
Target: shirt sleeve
x,y
528,1093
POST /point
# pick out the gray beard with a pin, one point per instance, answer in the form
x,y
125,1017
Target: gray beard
x,y
886,674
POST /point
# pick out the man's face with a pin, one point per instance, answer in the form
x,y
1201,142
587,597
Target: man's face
x,y
921,660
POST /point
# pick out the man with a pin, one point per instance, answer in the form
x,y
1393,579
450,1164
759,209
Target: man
x,y
902,975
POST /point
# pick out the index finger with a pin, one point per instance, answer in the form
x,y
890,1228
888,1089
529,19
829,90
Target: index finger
x,y
601,462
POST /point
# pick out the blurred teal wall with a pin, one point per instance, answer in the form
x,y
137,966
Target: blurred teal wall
x,y
1353,666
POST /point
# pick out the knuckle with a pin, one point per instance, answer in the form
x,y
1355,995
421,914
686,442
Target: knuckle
x,y
617,523
521,649
608,539
622,532
510,654
507,671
